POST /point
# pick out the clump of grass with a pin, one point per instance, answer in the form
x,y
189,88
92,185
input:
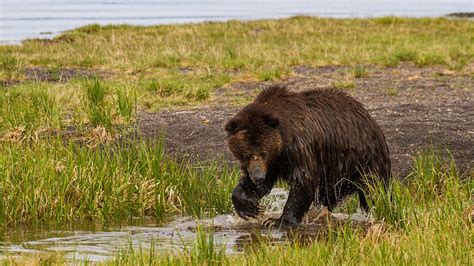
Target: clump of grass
x,y
178,89
49,181
8,66
344,85
392,91
89,29
95,103
390,20
205,252
272,74
28,109
205,184
405,55
126,102
349,205
360,72
426,59
431,184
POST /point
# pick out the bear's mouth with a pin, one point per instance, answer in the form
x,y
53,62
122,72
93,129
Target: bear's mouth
x,y
257,175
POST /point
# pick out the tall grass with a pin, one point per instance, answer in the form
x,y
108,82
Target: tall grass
x,y
49,181
95,103
126,102
26,110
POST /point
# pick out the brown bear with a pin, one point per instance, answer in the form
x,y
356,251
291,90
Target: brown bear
x,y
322,142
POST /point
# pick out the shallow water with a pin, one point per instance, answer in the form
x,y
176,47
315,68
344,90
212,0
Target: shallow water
x,y
233,234
228,233
46,18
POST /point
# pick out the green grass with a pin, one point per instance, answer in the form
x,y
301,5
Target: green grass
x,y
360,72
33,110
52,181
27,110
392,91
126,102
97,109
181,64
344,85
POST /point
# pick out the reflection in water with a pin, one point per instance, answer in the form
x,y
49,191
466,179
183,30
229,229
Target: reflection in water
x,y
229,233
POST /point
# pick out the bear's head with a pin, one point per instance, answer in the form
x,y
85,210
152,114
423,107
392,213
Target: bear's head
x,y
255,140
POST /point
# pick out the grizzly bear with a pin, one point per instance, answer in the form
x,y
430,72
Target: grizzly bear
x,y
322,142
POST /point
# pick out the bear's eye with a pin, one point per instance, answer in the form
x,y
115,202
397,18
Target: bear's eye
x,y
254,157
263,155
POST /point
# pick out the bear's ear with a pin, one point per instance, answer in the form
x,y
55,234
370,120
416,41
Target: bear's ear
x,y
271,120
231,126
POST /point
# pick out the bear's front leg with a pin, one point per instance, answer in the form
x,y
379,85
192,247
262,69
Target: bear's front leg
x,y
298,203
245,197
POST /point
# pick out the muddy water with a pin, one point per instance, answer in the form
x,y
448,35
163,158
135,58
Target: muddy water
x,y
230,233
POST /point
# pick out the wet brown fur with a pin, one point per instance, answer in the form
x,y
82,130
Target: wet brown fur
x,y
322,142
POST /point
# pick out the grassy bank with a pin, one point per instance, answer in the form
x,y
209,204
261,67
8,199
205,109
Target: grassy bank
x,y
181,64
52,181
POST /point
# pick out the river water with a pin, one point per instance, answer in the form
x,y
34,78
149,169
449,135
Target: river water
x,y
22,19
95,242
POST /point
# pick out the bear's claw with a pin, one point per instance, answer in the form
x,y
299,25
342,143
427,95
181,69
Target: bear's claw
x,y
276,223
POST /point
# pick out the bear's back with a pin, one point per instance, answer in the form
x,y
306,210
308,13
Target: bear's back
x,y
279,99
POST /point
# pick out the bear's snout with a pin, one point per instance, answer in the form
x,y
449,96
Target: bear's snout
x,y
257,169
257,175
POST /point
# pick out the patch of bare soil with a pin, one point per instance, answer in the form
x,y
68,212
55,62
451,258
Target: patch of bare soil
x,y
417,108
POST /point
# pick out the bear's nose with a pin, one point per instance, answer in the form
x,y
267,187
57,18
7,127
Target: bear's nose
x,y
257,175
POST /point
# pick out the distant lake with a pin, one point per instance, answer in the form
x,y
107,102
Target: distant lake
x,y
21,19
